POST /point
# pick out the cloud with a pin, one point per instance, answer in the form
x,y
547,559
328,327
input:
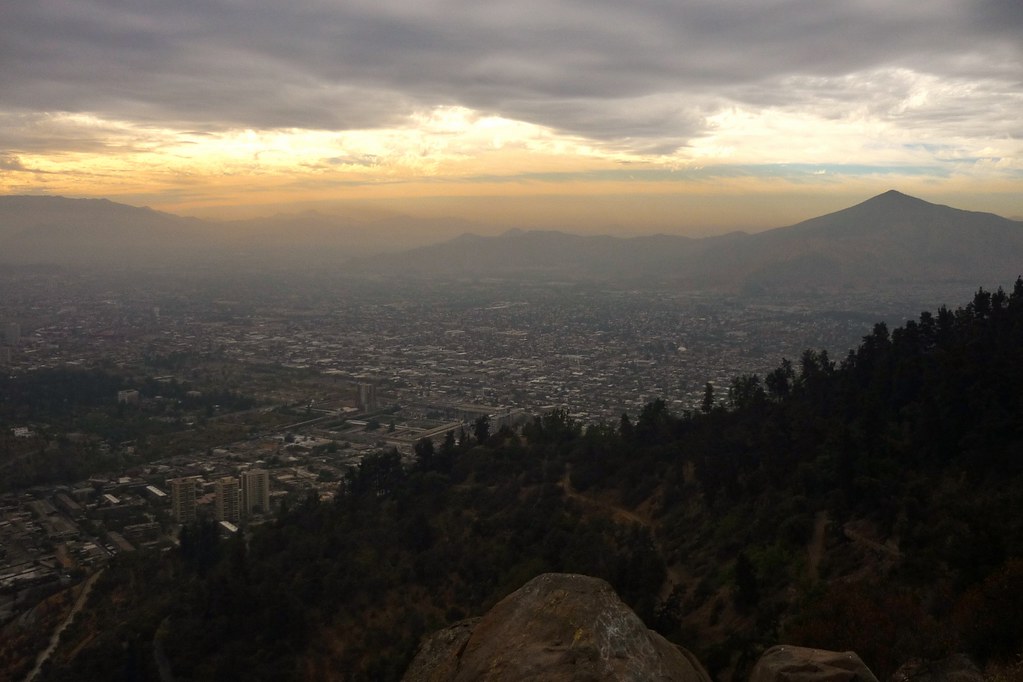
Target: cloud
x,y
10,162
641,75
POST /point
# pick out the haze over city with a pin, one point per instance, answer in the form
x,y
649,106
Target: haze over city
x,y
688,117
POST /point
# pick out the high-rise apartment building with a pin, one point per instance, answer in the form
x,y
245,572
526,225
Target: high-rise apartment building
x,y
227,501
255,490
367,397
183,494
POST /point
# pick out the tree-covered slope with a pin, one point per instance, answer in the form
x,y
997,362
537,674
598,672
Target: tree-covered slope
x,y
873,503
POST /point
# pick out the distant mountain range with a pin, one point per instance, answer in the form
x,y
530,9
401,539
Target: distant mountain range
x,y
57,230
887,240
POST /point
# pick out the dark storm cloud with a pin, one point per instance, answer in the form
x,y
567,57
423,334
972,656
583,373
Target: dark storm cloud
x,y
641,74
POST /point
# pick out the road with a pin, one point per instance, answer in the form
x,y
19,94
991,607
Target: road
x,y
55,638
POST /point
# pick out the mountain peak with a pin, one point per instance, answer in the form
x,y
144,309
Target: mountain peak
x,y
896,198
877,213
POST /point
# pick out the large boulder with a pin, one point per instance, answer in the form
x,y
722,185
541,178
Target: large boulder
x,y
799,664
955,668
556,627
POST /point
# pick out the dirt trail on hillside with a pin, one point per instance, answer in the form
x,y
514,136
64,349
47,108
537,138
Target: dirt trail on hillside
x,y
676,576
617,513
815,549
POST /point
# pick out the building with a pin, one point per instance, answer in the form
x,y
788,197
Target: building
x,y
183,494
129,396
227,503
69,506
227,529
255,491
367,397
142,532
155,494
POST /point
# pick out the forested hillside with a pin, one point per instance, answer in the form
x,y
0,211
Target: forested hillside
x,y
872,503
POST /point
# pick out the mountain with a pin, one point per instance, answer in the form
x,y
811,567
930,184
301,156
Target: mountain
x,y
889,239
519,253
57,230
322,238
94,231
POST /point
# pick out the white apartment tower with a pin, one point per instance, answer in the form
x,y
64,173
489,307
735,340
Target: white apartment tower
x,y
255,490
183,492
228,499
367,397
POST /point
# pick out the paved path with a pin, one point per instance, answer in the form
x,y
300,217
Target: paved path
x,y
55,639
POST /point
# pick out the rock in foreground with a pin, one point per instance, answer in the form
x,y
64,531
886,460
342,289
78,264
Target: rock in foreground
x,y
556,627
799,664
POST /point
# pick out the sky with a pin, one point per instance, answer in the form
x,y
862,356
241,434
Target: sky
x,y
695,116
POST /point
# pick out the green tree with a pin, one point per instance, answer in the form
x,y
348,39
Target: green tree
x,y
746,392
708,398
377,474
779,381
481,429
425,455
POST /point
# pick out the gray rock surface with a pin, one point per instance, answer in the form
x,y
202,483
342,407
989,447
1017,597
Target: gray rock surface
x,y
955,668
798,664
556,627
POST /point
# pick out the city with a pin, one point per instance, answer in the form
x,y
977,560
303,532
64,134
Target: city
x,y
323,371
